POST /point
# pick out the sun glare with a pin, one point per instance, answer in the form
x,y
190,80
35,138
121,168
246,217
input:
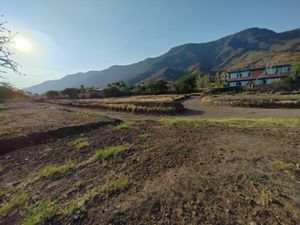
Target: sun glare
x,y
21,43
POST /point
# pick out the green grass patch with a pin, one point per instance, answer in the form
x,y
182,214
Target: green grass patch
x,y
235,122
125,125
50,149
90,114
16,202
55,170
251,177
2,167
110,153
42,213
80,143
116,186
287,167
72,208
143,135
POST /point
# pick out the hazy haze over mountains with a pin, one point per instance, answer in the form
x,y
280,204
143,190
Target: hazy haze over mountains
x,y
247,48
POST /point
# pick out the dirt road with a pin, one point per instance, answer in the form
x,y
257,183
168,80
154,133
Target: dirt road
x,y
196,109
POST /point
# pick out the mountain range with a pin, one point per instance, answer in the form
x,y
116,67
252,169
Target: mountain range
x,y
248,48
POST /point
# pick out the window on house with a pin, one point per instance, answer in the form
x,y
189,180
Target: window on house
x,y
264,81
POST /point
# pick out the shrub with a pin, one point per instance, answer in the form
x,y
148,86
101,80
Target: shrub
x,y
185,84
8,92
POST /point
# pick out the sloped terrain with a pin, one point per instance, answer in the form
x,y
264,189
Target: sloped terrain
x,y
247,48
152,172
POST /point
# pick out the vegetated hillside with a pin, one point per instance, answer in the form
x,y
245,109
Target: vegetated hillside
x,y
244,49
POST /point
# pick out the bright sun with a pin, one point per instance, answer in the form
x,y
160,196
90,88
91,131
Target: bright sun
x,y
22,43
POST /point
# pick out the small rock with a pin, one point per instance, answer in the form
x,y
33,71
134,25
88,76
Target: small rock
x,y
252,223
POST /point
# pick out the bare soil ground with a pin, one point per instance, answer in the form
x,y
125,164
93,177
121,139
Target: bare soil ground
x,y
23,118
147,172
197,109
257,100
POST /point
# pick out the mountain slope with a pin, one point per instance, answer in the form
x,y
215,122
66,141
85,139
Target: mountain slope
x,y
243,49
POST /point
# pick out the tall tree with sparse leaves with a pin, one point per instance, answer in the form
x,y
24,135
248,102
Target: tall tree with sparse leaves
x,y
6,61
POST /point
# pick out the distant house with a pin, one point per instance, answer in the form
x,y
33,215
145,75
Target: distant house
x,y
257,76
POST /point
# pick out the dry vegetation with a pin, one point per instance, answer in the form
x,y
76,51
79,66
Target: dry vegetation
x,y
159,104
255,100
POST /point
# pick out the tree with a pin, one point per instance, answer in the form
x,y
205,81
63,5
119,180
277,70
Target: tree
x,y
52,94
295,74
291,82
186,83
203,81
70,92
157,86
82,87
118,88
6,60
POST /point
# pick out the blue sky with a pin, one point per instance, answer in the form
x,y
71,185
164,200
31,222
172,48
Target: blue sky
x,y
69,36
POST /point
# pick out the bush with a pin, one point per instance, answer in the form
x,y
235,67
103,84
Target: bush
x,y
8,92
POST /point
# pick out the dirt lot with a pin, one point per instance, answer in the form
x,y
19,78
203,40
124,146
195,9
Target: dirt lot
x,y
197,109
157,172
23,118
257,100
